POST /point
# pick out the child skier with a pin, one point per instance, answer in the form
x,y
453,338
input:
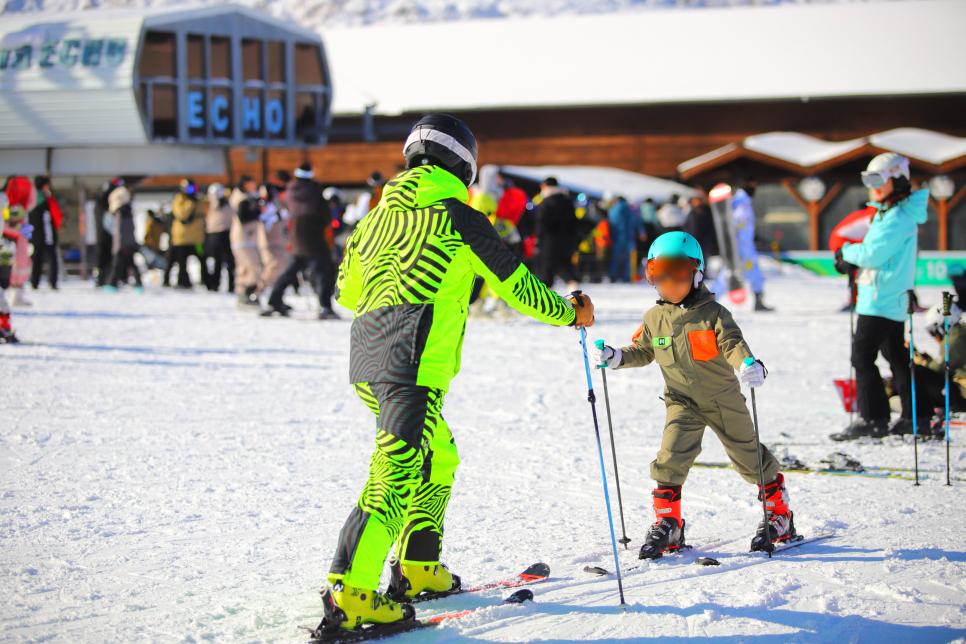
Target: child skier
x,y
9,239
698,346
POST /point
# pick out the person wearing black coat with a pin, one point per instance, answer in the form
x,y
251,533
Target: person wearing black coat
x,y
44,239
105,235
700,225
311,254
557,234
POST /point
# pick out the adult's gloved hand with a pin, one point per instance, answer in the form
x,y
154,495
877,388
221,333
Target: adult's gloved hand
x,y
842,266
603,356
584,309
753,373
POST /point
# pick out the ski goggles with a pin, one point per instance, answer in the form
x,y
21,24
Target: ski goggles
x,y
678,269
875,179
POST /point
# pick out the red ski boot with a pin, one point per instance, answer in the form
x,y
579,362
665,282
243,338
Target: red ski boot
x,y
781,521
667,533
6,333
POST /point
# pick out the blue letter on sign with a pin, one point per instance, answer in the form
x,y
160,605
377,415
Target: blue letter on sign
x,y
251,119
274,116
196,119
219,118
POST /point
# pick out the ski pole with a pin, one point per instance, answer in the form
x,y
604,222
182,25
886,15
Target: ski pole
x,y
852,391
610,426
600,452
947,311
769,547
912,377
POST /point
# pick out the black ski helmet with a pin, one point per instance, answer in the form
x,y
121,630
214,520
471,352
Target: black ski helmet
x,y
442,140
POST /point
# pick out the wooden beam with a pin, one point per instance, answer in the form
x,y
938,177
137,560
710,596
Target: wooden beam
x,y
956,198
829,196
793,191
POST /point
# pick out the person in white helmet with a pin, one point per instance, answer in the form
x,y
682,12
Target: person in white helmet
x,y
886,262
217,237
931,373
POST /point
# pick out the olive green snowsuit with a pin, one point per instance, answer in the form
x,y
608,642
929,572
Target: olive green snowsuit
x,y
699,348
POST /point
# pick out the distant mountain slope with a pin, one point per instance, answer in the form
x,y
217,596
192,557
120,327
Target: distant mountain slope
x,y
339,13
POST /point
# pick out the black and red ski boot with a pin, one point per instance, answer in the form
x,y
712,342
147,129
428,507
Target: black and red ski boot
x,y
7,336
781,522
667,533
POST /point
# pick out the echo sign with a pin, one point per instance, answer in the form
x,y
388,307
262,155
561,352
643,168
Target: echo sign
x,y
256,120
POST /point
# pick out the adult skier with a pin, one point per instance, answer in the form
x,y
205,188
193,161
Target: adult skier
x,y
311,254
187,234
886,260
699,348
244,234
46,218
557,234
743,216
407,274
218,218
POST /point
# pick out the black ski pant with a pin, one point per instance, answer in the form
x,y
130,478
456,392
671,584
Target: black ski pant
x,y
218,248
321,274
873,335
105,258
555,258
44,252
179,255
123,265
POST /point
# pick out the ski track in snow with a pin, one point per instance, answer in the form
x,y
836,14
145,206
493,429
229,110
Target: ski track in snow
x,y
173,470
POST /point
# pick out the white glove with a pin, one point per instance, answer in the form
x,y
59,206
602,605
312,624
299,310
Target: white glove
x,y
753,373
603,357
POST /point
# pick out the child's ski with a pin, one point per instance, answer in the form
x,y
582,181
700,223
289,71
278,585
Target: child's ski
x,y
688,549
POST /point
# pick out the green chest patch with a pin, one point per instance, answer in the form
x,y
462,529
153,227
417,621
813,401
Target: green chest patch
x,y
662,341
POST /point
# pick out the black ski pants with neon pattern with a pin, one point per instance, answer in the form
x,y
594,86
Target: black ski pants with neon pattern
x,y
410,480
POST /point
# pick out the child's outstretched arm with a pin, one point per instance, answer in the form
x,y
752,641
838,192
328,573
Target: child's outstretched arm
x,y
730,340
640,353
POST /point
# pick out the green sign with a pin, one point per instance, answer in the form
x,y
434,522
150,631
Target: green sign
x,y
933,268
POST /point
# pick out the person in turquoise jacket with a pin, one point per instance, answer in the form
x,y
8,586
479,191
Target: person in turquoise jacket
x,y
886,263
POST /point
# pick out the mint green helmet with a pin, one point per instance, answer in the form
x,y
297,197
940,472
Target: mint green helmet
x,y
677,244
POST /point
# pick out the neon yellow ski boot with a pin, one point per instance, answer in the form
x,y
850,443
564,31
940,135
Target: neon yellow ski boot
x,y
425,580
349,608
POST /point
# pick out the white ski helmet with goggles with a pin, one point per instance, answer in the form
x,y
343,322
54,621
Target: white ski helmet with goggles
x,y
934,319
446,141
884,167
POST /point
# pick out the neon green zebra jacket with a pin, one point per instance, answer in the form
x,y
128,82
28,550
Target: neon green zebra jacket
x,y
408,273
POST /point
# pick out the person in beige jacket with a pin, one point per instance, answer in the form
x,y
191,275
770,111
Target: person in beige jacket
x,y
274,238
244,243
699,348
218,237
187,233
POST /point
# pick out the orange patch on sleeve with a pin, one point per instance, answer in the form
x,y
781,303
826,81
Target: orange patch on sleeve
x,y
638,333
704,345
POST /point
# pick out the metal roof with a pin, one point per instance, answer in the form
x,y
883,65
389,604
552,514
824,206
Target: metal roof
x,y
747,53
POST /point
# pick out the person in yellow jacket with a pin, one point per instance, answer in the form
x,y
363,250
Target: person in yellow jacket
x,y
187,234
699,348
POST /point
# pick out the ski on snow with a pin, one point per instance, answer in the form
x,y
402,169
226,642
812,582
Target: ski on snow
x,y
685,550
536,573
800,541
378,632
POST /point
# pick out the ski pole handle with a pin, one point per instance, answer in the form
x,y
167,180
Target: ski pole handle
x,y
947,304
910,309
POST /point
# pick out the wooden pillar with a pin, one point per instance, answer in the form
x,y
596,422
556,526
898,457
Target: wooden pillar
x,y
813,212
813,208
942,207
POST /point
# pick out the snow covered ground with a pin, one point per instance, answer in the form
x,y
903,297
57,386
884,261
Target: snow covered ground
x,y
172,470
